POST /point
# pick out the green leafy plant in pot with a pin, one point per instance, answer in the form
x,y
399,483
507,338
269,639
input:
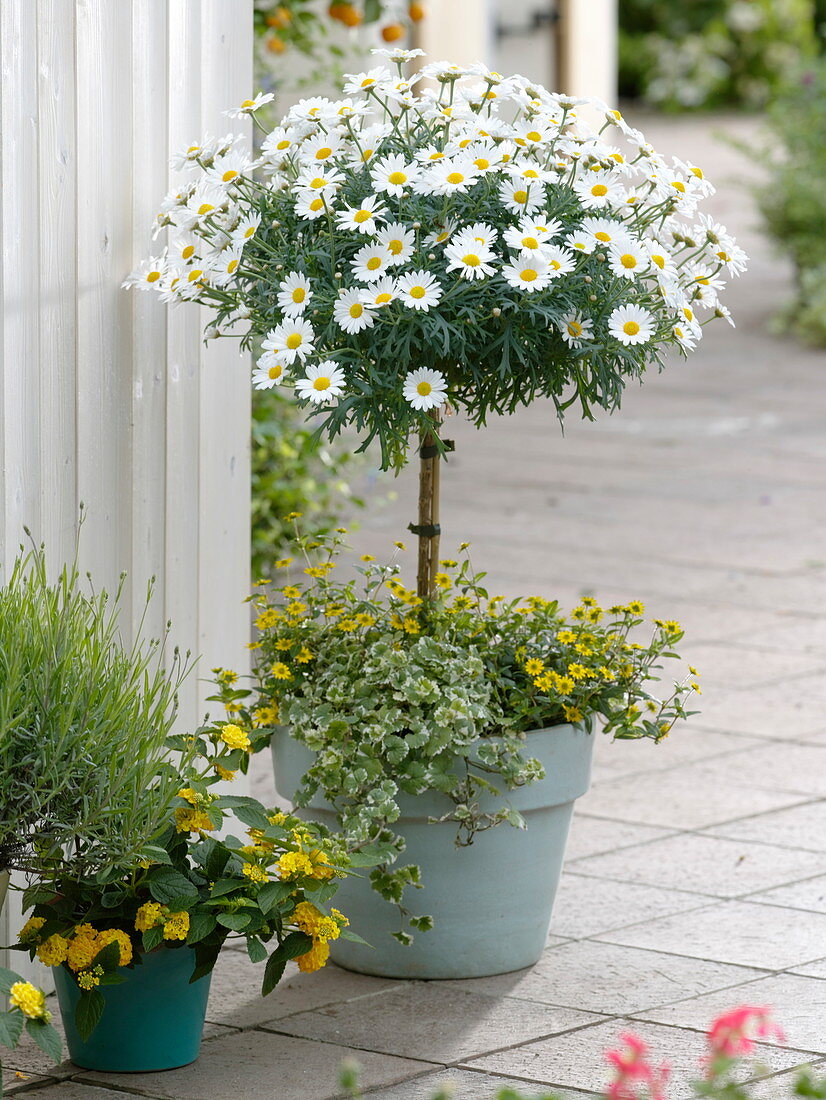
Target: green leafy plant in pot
x,y
473,244
418,727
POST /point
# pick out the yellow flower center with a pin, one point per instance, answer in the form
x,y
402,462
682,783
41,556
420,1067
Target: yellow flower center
x,y
574,328
321,383
285,143
533,135
356,309
373,263
205,208
318,182
455,177
383,299
365,156
601,235
231,266
471,260
275,372
188,251
628,261
248,103
153,276
367,82
424,388
249,232
678,185
555,264
528,275
294,341
631,328
324,152
397,178
230,174
362,216
316,204
531,174
520,196
688,314
723,255
196,273
659,261
482,163
436,156
698,172
530,242
299,294
395,247
418,292
598,190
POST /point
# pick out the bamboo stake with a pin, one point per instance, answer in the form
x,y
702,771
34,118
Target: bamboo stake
x,y
428,525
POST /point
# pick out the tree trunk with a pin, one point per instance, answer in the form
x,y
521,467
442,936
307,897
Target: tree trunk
x,y
427,529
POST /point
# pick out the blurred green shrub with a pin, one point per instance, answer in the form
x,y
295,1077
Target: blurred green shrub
x,y
292,471
792,199
712,53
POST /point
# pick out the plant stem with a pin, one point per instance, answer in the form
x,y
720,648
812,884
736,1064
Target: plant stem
x,y
429,476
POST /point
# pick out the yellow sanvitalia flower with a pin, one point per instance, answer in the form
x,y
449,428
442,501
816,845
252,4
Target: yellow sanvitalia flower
x,y
30,1000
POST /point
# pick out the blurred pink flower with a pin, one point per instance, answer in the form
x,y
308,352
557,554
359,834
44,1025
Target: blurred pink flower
x,y
636,1076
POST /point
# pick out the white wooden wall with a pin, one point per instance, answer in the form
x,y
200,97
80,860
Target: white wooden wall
x,y
105,396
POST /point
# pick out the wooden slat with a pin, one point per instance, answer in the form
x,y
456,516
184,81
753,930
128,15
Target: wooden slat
x,y
20,273
150,61
104,311
225,384
57,259
184,368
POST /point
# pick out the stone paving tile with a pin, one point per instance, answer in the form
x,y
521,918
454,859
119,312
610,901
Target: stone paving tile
x,y
16,1082
75,1090
691,743
235,996
810,894
465,1084
788,711
739,665
590,836
258,1065
798,1003
706,864
781,1086
577,1059
586,906
776,767
801,827
802,636
603,977
738,932
670,799
813,969
433,1020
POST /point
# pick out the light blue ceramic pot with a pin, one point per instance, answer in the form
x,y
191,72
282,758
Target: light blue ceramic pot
x,y
152,1021
491,902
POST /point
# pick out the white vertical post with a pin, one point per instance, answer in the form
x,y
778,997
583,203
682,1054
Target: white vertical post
x,y
459,31
589,30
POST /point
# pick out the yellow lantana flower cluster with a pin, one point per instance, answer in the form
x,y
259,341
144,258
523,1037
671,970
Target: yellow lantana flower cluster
x,y
30,1000
322,929
151,914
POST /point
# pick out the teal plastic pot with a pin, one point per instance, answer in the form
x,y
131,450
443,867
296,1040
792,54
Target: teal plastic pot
x,y
491,902
152,1021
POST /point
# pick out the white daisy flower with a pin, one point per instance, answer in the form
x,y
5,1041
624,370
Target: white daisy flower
x,y
269,371
322,382
367,145
604,231
661,260
628,259
631,325
449,177
365,82
148,274
472,261
533,134
529,272
559,260
578,241
598,189
364,217
279,143
530,172
733,259
484,156
398,240
227,169
419,290
480,234
309,205
246,229
425,388
249,106
441,233
291,340
397,54
294,294
321,181
351,312
380,293
520,197
430,154
394,174
685,337
370,262
523,238
725,313
320,148
223,265
575,329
